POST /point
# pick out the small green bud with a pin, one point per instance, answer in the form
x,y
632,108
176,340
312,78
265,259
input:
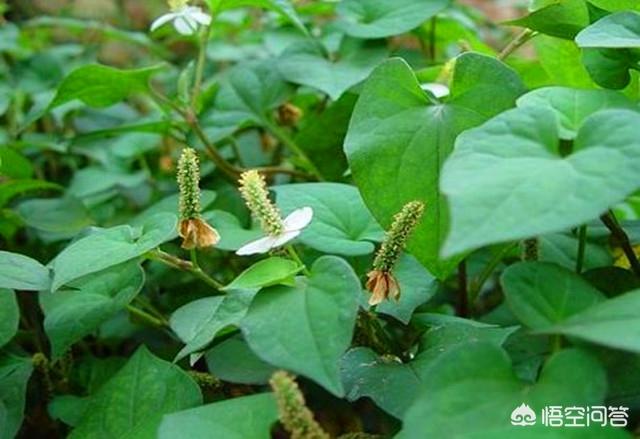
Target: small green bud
x,y
296,418
254,191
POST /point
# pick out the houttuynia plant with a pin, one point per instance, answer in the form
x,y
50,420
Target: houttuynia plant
x,y
314,219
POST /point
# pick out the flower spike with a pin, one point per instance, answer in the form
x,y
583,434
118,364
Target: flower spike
x,y
194,231
294,415
380,281
253,189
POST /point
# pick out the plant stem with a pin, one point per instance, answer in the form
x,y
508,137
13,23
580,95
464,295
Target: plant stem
x,y
432,39
516,43
582,244
182,265
476,286
463,293
146,317
294,255
620,238
202,58
201,274
287,141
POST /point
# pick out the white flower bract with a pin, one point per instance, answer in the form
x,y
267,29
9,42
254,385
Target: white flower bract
x,y
294,223
186,20
438,90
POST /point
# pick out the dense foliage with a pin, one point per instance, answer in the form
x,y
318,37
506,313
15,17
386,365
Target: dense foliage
x,y
310,219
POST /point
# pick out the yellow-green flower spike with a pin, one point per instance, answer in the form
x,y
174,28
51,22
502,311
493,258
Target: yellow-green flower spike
x,y
403,224
294,415
188,183
176,5
254,191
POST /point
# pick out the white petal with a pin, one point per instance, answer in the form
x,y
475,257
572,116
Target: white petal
x,y
261,245
438,90
298,219
185,25
285,237
196,13
162,20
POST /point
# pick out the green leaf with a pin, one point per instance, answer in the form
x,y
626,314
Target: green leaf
x,y
12,188
233,361
306,64
232,234
12,163
108,247
382,18
247,95
95,180
19,272
9,316
102,86
614,323
341,223
398,136
471,391
394,385
14,376
132,403
170,205
562,61
320,316
198,322
562,249
542,294
417,286
55,215
572,106
73,313
265,273
237,418
611,48
562,19
283,7
616,5
499,194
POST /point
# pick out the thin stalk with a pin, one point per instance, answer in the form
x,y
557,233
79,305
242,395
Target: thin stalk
x,y
201,274
516,43
202,59
476,286
287,141
294,255
621,238
432,39
182,265
582,245
146,317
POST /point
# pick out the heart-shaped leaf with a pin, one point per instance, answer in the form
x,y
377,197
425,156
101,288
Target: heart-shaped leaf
x,y
108,247
19,272
614,323
573,106
383,18
132,403
507,180
341,222
320,316
306,64
610,48
71,314
198,322
102,86
237,418
397,135
542,294
394,385
471,391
